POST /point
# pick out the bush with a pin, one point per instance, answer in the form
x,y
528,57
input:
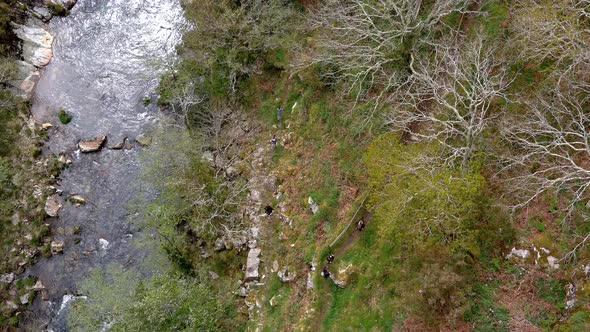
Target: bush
x,y
57,9
162,303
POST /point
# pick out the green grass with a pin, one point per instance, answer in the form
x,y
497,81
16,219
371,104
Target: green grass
x,y
497,12
484,313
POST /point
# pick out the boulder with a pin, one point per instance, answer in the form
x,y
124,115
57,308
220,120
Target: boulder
x,y
553,262
275,266
52,206
37,43
92,145
24,299
285,275
208,157
143,140
38,286
57,246
309,281
118,146
25,80
77,199
46,126
11,305
219,245
252,264
522,253
42,13
313,205
7,278
213,275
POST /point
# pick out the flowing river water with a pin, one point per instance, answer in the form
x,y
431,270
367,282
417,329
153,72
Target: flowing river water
x,y
108,56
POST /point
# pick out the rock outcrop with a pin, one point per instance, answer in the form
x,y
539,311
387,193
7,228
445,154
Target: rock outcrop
x,y
52,206
26,79
252,264
37,44
92,145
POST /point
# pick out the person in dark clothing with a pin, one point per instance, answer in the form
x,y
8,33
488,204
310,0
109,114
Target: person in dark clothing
x,y
325,273
273,141
360,225
331,258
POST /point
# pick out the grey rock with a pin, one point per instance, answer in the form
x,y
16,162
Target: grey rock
x,y
57,246
38,286
309,281
242,292
11,305
313,205
219,245
208,157
118,146
213,275
285,275
143,140
52,206
24,299
7,278
92,145
42,13
252,264
77,199
37,43
26,79
275,266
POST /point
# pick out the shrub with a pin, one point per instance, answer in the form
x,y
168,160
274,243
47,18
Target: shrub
x,y
57,9
64,117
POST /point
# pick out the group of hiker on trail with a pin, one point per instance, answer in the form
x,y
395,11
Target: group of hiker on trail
x,y
273,140
360,225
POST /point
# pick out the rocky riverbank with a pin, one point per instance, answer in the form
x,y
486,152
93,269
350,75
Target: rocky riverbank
x,y
28,235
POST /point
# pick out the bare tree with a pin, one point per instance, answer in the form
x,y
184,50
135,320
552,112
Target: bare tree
x,y
450,95
366,42
232,34
557,30
551,147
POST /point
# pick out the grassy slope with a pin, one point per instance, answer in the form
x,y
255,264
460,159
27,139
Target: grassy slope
x,y
323,161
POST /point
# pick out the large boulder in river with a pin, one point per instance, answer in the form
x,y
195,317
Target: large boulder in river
x,y
52,206
37,43
143,140
92,145
252,264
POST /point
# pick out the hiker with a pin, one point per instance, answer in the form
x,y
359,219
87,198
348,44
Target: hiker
x,y
268,209
279,113
360,225
325,273
330,258
273,141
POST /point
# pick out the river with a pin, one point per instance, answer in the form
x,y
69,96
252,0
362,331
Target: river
x,y
108,56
